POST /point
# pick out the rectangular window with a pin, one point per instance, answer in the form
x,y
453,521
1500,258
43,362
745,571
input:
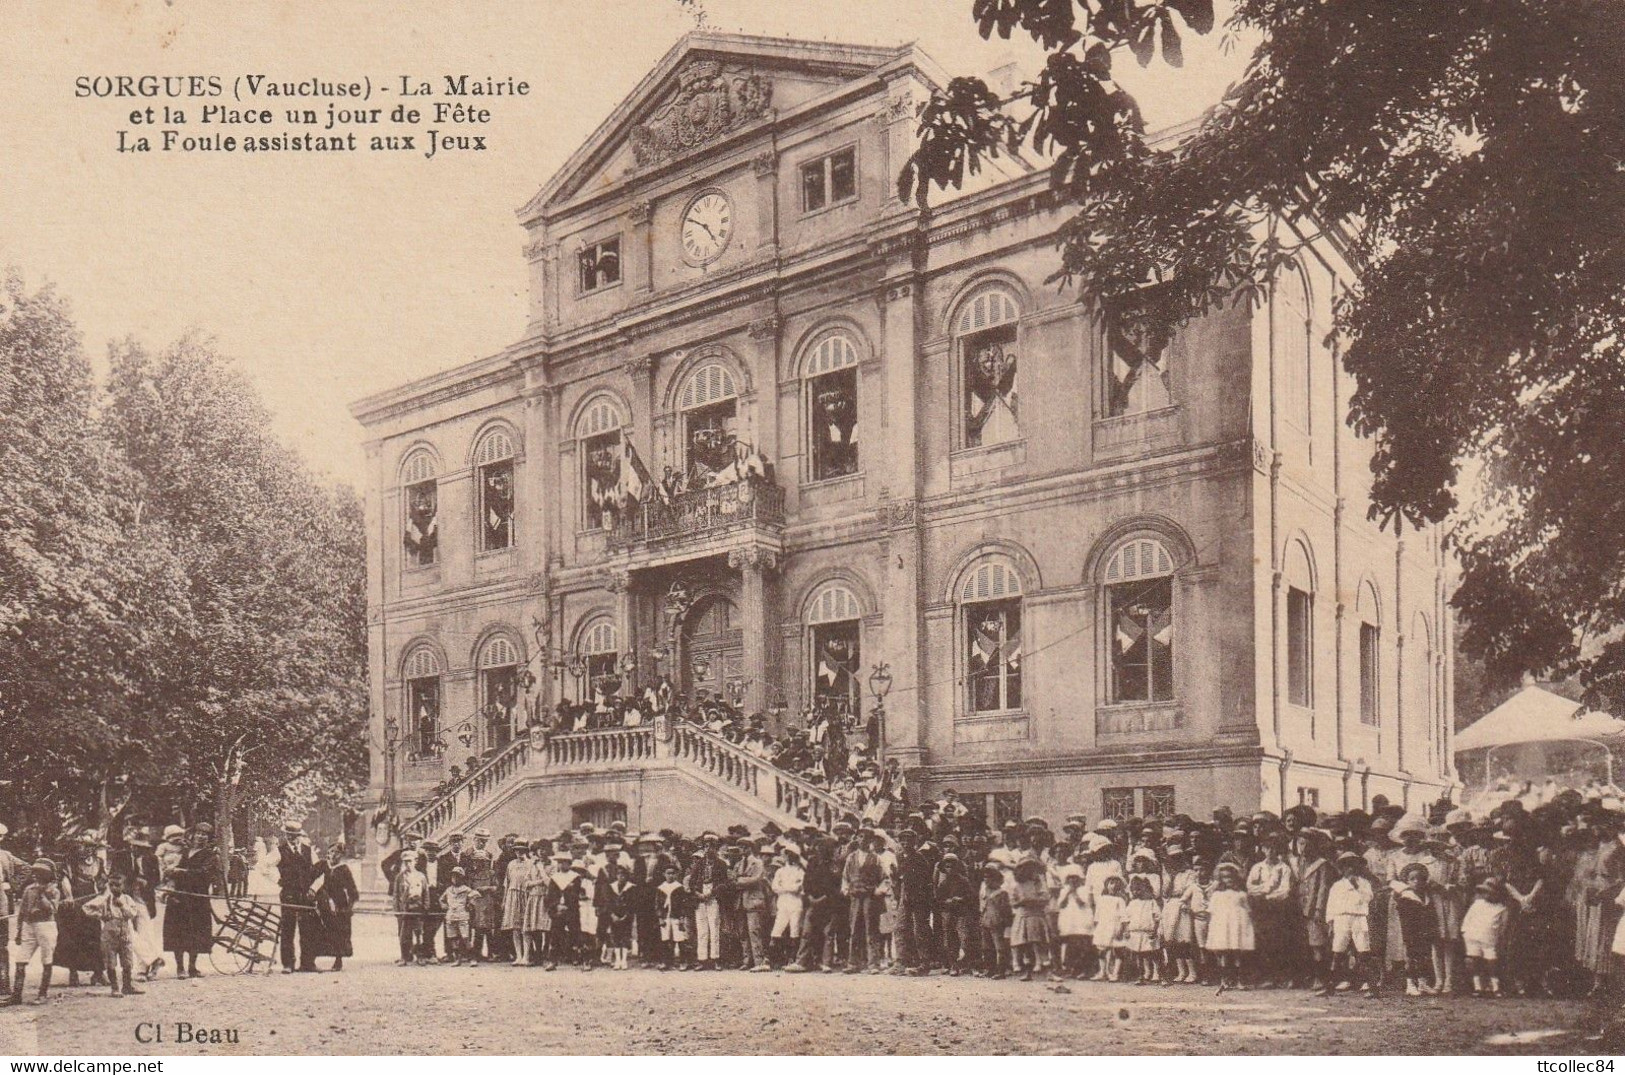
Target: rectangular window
x,y
499,693
601,488
496,506
1156,800
1300,686
1141,619
833,398
1370,671
993,631
422,525
829,180
423,709
1136,356
1117,803
600,264
1007,807
835,666
991,398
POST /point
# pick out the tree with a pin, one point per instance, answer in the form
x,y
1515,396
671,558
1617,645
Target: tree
x,y
1468,154
87,598
266,691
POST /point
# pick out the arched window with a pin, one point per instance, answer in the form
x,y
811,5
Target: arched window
x,y
1300,626
985,334
599,649
1292,346
498,664
1139,607
421,500
1370,616
709,409
990,611
493,467
831,375
598,437
422,673
1420,681
834,632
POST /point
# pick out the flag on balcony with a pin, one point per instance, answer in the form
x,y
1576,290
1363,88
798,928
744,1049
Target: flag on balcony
x,y
636,481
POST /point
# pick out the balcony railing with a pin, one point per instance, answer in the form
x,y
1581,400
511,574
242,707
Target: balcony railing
x,y
698,512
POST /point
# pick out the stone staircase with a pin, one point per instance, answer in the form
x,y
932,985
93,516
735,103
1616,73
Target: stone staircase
x,y
743,782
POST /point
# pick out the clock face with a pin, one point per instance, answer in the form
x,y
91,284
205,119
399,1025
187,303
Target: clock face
x,y
707,226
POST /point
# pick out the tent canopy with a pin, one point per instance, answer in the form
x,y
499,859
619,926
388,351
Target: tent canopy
x,y
1533,715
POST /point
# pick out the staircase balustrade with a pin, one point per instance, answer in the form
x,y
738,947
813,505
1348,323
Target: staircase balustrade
x,y
725,762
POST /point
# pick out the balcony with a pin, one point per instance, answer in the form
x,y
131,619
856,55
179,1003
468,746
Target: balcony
x,y
701,514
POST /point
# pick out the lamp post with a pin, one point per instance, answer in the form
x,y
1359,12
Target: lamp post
x,y
578,669
392,744
880,681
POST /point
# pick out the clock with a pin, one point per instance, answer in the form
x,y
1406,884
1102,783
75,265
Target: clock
x,y
707,226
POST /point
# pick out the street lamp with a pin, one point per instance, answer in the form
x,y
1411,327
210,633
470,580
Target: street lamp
x,y
578,669
880,681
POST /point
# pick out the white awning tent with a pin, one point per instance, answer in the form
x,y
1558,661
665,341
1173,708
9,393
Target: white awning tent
x,y
1536,715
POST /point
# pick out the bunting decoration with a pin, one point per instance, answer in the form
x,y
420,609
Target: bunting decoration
x,y
990,394
604,472
498,502
422,524
1138,332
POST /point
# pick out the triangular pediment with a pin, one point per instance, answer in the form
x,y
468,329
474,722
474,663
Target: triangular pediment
x,y
708,88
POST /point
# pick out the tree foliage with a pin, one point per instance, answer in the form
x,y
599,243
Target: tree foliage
x,y
1470,157
182,614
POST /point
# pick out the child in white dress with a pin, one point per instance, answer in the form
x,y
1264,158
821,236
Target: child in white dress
x,y
1140,922
1075,920
1230,925
1110,907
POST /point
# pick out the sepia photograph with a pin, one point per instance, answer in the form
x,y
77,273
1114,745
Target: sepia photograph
x,y
728,528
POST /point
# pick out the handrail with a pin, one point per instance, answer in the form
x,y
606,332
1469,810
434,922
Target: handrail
x,y
699,511
443,811
733,764
724,761
610,744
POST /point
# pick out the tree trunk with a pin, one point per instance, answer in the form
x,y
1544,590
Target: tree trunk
x,y
225,808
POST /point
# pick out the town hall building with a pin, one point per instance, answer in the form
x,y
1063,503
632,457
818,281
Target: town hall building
x,y
773,435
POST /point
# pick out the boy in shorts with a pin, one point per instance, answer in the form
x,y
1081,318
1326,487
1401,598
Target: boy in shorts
x,y
1348,913
36,930
457,901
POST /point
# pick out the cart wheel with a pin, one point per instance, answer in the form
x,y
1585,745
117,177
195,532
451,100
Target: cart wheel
x,y
229,961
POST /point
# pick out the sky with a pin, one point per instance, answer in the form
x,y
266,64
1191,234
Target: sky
x,y
330,277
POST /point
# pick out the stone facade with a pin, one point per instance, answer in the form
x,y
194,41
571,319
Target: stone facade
x,y
1010,527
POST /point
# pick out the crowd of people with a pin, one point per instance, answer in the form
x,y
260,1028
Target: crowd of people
x,y
1519,902
119,915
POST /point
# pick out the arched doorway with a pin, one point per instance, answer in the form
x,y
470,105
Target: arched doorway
x,y
713,647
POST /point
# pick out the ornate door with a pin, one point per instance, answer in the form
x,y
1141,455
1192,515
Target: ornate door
x,y
713,648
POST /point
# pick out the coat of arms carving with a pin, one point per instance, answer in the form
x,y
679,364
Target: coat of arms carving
x,y
710,102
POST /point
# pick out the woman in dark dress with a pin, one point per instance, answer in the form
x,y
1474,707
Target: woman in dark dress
x,y
188,921
79,944
335,906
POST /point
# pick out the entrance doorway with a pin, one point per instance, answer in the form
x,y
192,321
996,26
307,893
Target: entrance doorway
x,y
713,647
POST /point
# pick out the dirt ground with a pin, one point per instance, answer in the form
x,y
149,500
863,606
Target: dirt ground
x,y
375,1007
